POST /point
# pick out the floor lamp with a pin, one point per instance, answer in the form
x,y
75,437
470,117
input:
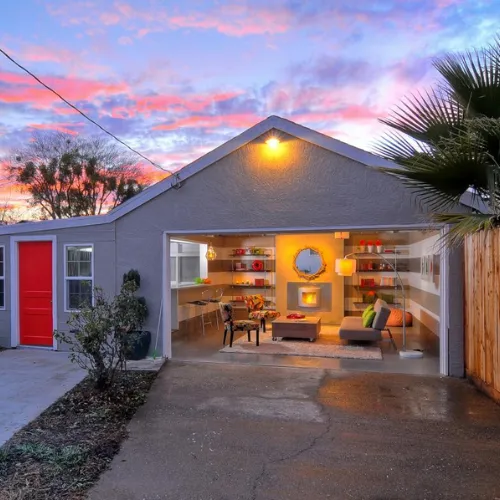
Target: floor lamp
x,y
347,267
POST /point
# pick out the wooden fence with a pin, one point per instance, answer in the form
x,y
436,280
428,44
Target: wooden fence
x,y
482,311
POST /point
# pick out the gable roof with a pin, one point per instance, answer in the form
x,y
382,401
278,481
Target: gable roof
x,y
263,127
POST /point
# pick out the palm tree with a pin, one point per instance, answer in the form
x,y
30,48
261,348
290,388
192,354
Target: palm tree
x,y
447,142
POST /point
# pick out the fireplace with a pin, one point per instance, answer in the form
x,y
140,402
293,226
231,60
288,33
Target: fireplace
x,y
309,296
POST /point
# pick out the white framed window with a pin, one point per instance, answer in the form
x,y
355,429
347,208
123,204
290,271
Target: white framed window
x,y
78,276
187,262
2,277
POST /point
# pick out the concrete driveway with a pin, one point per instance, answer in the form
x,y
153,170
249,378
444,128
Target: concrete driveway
x,y
30,381
218,431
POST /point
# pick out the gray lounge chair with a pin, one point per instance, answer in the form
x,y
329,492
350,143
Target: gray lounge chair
x,y
352,327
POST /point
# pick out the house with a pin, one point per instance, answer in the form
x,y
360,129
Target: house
x,y
278,187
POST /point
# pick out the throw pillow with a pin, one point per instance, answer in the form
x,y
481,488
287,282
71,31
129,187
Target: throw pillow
x,y
387,297
368,319
367,310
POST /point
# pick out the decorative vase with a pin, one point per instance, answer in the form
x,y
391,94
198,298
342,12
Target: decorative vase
x,y
380,248
369,248
137,344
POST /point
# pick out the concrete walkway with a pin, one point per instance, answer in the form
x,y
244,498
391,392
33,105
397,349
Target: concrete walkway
x,y
30,381
213,431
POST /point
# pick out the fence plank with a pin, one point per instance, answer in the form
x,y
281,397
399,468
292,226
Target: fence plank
x,y
482,310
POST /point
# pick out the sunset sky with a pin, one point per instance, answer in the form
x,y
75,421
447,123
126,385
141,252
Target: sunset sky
x,y
177,78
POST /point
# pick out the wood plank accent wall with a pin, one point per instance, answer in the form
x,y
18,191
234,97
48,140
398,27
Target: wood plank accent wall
x,y
482,311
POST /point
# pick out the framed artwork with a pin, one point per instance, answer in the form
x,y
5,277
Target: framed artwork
x,y
427,263
423,267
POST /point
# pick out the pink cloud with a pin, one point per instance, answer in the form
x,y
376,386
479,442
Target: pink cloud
x,y
238,20
146,105
109,18
235,121
24,89
354,113
232,20
38,53
66,127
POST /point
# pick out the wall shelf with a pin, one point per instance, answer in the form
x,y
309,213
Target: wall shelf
x,y
254,256
375,287
268,275
363,304
250,271
252,286
369,280
383,271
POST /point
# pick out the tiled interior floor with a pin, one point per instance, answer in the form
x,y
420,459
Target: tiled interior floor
x,y
189,344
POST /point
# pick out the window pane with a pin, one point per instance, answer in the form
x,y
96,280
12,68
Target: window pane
x,y
72,268
2,294
189,248
79,293
189,269
85,269
1,262
79,261
173,269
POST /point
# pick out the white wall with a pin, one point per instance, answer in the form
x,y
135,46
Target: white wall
x,y
426,246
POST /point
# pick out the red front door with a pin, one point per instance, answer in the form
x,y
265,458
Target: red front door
x,y
35,293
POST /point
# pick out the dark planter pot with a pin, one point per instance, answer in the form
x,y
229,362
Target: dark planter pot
x,y
138,345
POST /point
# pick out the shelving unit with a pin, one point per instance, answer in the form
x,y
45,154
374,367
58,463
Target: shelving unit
x,y
376,267
244,279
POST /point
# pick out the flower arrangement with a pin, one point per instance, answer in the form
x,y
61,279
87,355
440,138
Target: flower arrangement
x,y
378,244
369,245
362,246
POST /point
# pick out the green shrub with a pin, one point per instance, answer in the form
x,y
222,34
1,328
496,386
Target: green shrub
x,y
98,333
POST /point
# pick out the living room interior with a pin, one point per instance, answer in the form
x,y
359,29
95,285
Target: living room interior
x,y
296,288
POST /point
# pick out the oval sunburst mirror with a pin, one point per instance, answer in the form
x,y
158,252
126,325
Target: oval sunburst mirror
x,y
309,263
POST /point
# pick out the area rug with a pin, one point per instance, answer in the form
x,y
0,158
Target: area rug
x,y
326,346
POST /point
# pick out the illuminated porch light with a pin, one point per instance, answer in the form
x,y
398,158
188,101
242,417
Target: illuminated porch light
x,y
210,255
273,142
345,267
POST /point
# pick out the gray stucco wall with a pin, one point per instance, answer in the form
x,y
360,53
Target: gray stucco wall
x,y
103,239
5,314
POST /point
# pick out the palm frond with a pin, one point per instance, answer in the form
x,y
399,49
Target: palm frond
x,y
474,79
463,225
439,176
427,117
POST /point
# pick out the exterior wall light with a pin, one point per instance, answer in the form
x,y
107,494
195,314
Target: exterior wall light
x,y
273,142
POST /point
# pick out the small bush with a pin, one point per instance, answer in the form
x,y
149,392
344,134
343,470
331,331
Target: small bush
x,y
98,333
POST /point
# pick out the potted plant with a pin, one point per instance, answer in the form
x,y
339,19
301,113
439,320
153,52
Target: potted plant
x,y
132,312
362,246
379,246
369,246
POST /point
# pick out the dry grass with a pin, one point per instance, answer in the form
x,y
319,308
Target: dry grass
x,y
61,454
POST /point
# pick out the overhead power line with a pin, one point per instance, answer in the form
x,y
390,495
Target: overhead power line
x,y
78,110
